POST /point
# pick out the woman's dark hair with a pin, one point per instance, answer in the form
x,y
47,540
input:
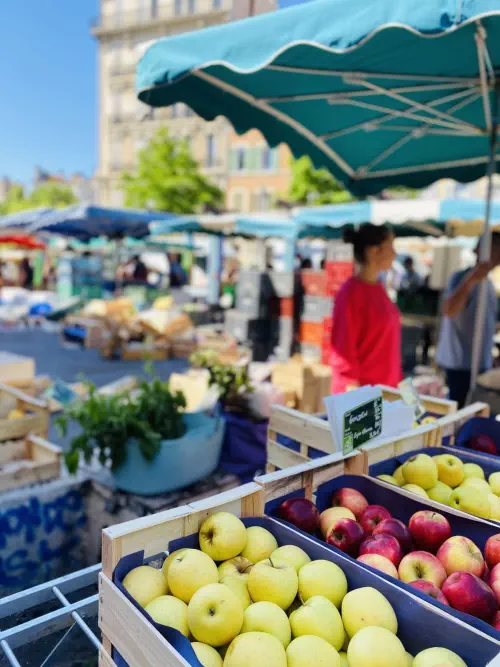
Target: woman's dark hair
x,y
366,236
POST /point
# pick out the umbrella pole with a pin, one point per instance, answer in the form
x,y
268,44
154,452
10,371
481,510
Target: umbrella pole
x,y
484,256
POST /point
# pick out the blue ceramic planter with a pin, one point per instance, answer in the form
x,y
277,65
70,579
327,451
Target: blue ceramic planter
x,y
179,462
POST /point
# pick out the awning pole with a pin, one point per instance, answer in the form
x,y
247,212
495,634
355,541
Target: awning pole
x,y
484,256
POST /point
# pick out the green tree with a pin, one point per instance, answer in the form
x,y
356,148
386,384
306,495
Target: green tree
x,y
55,195
16,200
315,187
168,178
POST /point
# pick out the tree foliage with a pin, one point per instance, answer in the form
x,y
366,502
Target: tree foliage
x,y
315,187
50,194
168,179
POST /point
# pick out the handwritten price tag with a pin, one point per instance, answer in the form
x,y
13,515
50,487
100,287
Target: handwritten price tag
x,y
362,424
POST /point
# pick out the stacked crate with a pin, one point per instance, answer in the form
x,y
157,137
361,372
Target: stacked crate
x,y
283,313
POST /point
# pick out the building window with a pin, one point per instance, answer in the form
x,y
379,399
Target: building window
x,y
211,157
217,4
154,9
191,6
241,158
174,111
262,200
188,112
237,202
178,7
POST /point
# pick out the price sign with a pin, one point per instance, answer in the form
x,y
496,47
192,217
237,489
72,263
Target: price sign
x,y
362,424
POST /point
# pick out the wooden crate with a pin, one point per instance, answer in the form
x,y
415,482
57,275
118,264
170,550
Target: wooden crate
x,y
28,461
122,625
36,418
16,370
433,405
452,423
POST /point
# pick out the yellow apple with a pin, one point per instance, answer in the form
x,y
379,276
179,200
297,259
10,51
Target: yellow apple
x,y
319,617
494,506
296,604
260,544
450,469
267,617
236,567
388,478
473,470
144,584
168,561
239,586
189,571
343,659
414,488
330,515
321,577
376,647
441,493
273,582
255,649
494,482
292,555
366,606
309,649
222,536
469,500
215,615
207,655
169,611
438,657
399,476
409,657
475,483
428,420
421,470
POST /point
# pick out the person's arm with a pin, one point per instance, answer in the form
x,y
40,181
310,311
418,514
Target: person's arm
x,y
457,299
345,361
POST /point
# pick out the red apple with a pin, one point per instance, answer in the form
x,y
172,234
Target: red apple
x,y
383,545
346,535
486,575
350,498
379,563
496,621
397,529
372,516
470,594
482,443
459,554
494,581
301,512
422,565
492,550
429,588
429,530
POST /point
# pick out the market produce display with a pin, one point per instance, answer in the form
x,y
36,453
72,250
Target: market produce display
x,y
243,601
424,554
446,479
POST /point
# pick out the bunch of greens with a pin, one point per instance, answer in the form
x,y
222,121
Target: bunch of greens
x,y
233,382
108,423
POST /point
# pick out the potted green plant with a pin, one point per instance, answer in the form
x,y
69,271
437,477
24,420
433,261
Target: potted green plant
x,y
146,439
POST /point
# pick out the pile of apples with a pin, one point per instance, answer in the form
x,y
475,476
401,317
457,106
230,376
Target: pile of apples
x,y
423,554
446,479
243,601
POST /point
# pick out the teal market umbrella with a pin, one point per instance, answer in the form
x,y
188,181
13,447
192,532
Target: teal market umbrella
x,y
381,93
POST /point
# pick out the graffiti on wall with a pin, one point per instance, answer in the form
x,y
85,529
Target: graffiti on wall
x,y
40,538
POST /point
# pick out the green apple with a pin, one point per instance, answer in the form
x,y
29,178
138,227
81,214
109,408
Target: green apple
x,y
438,657
450,469
190,570
320,617
267,617
255,649
366,606
473,470
321,577
410,659
239,586
494,482
260,544
388,478
235,567
347,639
144,584
421,470
168,561
329,516
343,659
399,476
207,655
415,488
475,483
469,500
494,506
376,647
441,493
215,615
273,582
309,649
169,611
222,536
292,555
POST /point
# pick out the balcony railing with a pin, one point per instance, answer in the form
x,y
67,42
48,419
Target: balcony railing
x,y
164,11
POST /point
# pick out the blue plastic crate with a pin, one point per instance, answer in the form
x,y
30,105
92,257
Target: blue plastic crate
x,y
420,626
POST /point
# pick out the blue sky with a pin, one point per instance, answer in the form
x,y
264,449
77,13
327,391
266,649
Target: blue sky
x,y
48,104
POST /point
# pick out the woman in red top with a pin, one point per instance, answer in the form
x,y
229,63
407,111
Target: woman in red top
x,y
366,336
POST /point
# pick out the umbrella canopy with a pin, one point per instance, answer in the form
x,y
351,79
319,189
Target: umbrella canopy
x,y
22,241
86,222
24,218
380,93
